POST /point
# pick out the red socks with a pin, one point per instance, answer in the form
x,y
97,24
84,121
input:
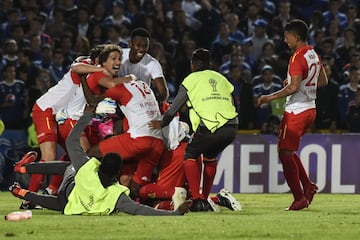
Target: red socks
x,y
193,176
36,180
55,183
215,199
291,173
208,176
304,178
193,171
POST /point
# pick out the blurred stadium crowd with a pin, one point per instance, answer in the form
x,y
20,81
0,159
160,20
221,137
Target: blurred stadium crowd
x,y
41,38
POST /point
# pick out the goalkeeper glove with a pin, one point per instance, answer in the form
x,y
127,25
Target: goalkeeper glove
x,y
61,116
105,107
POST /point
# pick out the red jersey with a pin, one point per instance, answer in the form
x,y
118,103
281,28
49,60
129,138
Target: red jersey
x,y
93,82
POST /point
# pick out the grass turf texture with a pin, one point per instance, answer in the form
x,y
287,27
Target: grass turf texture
x,y
331,216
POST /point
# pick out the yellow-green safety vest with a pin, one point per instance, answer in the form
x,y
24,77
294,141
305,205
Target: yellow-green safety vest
x,y
209,99
89,196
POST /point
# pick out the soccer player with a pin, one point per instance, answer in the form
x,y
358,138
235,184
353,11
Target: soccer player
x,y
137,61
305,74
109,61
213,117
139,143
170,181
43,113
104,195
169,190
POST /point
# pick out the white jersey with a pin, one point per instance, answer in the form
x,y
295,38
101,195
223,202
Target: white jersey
x,y
138,103
306,63
58,96
146,70
74,108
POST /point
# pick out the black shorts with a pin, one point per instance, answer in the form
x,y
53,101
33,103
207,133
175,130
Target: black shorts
x,y
210,144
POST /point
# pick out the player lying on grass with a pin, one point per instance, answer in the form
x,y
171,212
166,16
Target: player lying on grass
x,y
90,186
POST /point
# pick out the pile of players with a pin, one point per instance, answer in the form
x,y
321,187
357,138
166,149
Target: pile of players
x,y
126,90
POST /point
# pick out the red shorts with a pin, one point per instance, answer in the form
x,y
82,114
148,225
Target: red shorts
x,y
91,132
45,124
293,127
146,150
171,172
65,128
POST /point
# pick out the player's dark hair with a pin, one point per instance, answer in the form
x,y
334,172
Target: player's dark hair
x,y
298,27
104,54
141,32
95,51
110,168
201,59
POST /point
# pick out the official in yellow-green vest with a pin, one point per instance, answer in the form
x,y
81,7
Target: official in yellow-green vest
x,y
208,96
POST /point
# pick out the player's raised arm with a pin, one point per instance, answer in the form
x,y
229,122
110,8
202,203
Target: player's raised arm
x,y
109,82
75,151
89,96
83,68
178,103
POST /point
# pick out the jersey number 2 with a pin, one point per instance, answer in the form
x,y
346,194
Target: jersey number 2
x,y
312,79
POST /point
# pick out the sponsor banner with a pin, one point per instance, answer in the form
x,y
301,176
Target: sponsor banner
x,y
251,164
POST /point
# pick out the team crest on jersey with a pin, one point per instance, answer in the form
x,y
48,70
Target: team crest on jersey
x,y
213,84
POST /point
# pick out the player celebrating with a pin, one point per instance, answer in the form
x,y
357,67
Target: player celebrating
x,y
137,61
305,74
104,195
109,61
43,113
139,143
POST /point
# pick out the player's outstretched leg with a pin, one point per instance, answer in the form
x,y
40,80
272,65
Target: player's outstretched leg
x,y
17,190
27,158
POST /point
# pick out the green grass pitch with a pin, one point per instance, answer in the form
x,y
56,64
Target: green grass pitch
x,y
330,216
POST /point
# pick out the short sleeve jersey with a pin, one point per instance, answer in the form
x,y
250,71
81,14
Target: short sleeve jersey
x,y
305,63
93,82
146,70
58,96
138,103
